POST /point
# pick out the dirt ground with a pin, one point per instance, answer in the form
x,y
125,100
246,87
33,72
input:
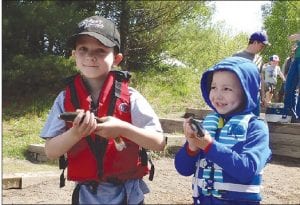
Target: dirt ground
x,y
281,185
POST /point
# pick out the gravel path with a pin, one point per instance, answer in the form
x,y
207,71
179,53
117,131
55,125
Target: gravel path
x,y
281,186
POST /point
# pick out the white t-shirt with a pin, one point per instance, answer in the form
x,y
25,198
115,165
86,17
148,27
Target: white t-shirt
x,y
142,115
271,74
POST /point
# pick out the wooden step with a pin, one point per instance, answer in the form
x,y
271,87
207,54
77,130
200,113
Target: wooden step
x,y
284,137
12,182
201,113
172,125
287,128
37,153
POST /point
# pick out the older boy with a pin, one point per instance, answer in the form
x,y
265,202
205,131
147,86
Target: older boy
x,y
104,173
227,161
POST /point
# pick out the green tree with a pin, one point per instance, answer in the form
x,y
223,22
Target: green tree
x,y
200,44
146,26
281,20
35,28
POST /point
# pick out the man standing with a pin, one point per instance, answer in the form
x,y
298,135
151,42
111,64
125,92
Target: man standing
x,y
257,43
292,86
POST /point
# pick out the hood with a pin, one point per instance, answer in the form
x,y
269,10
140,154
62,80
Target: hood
x,y
248,75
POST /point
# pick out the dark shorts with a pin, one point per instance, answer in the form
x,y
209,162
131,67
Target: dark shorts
x,y
269,87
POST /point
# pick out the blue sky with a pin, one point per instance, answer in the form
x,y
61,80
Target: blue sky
x,y
242,16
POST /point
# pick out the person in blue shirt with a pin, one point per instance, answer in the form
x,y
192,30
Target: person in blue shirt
x,y
292,97
227,162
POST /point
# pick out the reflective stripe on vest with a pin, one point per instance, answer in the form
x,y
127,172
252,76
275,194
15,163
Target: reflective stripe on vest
x,y
228,186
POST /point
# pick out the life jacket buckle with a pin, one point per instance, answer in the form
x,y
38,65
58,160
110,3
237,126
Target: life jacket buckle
x,y
209,184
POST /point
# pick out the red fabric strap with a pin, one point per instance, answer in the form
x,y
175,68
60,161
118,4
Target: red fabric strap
x,y
190,152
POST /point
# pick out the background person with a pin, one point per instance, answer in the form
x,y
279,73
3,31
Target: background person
x,y
256,44
270,73
285,69
292,86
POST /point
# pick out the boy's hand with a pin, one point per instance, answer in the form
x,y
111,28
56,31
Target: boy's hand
x,y
110,127
195,143
84,123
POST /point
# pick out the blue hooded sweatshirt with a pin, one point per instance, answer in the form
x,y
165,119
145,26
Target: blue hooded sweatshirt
x,y
230,173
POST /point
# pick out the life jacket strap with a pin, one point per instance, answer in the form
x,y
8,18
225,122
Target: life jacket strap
x,y
144,161
98,148
62,165
75,195
152,170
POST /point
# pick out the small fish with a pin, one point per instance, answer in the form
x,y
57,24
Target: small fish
x,y
70,116
196,125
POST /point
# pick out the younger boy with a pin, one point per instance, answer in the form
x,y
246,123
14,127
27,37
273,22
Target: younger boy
x,y
270,73
104,173
227,161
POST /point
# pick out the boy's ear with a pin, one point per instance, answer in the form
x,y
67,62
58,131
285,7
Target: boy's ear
x,y
73,53
118,59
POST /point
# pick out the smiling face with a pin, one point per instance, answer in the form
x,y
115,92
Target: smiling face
x,y
93,59
226,94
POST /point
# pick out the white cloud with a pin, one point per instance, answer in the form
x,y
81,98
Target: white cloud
x,y
241,16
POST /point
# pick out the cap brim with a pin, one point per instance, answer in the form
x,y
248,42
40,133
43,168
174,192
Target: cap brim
x,y
266,43
105,41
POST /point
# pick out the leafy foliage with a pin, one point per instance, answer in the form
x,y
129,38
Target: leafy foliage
x,y
281,20
42,75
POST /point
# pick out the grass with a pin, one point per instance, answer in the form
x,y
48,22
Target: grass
x,y
22,123
169,92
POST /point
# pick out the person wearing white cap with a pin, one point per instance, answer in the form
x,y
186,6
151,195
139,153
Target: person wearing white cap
x,y
270,73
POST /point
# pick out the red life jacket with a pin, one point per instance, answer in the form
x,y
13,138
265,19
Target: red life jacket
x,y
95,158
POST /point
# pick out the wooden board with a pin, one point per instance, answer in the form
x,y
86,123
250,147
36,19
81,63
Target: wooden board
x,y
13,182
37,148
285,150
171,125
285,139
287,128
37,152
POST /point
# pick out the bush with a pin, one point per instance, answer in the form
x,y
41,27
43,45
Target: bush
x,y
42,75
